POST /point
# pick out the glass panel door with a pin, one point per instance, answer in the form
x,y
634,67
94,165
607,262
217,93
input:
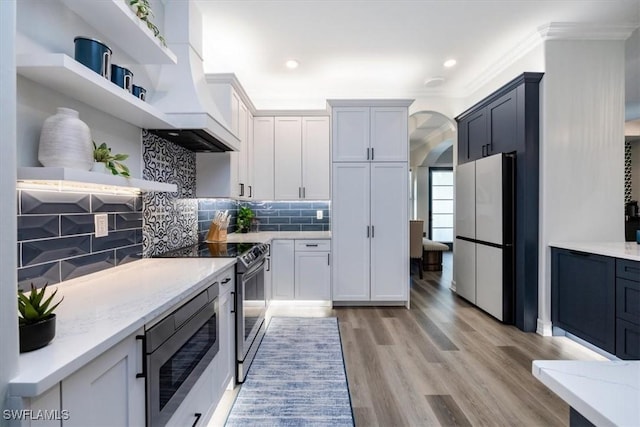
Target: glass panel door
x,y
441,204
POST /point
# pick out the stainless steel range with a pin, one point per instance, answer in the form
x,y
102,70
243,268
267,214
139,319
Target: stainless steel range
x,y
249,296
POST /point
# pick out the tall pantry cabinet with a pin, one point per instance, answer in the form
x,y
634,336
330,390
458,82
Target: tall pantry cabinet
x,y
370,201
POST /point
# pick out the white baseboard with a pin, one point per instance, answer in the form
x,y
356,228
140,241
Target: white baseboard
x,y
544,328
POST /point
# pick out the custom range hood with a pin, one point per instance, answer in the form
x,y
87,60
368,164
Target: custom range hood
x,y
182,92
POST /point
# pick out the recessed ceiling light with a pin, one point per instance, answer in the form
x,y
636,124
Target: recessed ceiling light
x,y
292,64
434,81
450,63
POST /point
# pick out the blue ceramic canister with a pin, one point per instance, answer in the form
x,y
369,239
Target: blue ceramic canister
x,y
122,77
94,54
139,92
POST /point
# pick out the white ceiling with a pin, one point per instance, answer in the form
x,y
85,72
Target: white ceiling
x,y
375,48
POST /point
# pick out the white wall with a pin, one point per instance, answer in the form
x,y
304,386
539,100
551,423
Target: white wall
x,y
581,150
36,103
8,261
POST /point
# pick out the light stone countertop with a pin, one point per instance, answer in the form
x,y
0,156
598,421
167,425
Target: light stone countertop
x,y
624,250
267,236
101,309
606,393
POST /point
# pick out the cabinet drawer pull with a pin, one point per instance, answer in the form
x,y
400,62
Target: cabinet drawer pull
x,y
268,264
372,154
373,231
233,306
197,415
241,190
310,245
227,280
367,231
584,254
328,259
367,153
250,191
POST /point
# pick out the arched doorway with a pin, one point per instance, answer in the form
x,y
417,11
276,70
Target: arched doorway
x,y
432,137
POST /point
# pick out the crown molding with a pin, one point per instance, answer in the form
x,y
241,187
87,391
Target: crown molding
x,y
585,31
521,49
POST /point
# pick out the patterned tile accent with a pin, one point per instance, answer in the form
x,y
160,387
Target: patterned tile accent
x,y
56,238
627,172
170,220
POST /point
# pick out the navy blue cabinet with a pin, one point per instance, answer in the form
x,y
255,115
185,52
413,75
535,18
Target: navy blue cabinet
x,y
583,291
627,309
473,137
504,122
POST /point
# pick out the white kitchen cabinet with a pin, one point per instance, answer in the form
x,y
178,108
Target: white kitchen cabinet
x,y
389,231
316,160
375,132
301,158
225,369
350,231
227,174
282,269
370,201
313,275
301,270
370,221
288,158
196,408
263,158
106,392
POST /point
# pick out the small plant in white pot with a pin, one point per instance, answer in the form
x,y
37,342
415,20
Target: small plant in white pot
x,y
37,322
111,162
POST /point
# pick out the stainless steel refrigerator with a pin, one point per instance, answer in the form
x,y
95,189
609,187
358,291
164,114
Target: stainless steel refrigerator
x,y
483,263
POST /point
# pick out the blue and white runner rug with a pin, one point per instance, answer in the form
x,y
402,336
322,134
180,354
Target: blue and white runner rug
x,y
297,378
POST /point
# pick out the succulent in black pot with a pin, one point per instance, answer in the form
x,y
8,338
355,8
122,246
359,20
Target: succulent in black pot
x,y
37,322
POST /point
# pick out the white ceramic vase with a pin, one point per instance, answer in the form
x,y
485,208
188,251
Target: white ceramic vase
x,y
65,141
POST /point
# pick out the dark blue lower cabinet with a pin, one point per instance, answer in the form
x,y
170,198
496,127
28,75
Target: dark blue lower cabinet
x,y
627,340
583,291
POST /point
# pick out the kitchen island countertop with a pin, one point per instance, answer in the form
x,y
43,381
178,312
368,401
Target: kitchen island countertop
x,y
607,393
624,250
101,309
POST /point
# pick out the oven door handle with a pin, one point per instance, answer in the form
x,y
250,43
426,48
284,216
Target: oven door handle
x,y
253,271
142,374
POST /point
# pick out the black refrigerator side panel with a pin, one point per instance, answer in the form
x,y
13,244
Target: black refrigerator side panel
x,y
509,237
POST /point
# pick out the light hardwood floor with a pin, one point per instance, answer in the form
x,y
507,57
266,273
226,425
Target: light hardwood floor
x,y
444,362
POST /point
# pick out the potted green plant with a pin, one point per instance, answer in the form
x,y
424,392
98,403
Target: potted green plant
x,y
245,215
142,8
112,162
37,322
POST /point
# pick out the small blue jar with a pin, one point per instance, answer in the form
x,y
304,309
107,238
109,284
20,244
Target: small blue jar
x,y
139,92
94,54
123,77
638,237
